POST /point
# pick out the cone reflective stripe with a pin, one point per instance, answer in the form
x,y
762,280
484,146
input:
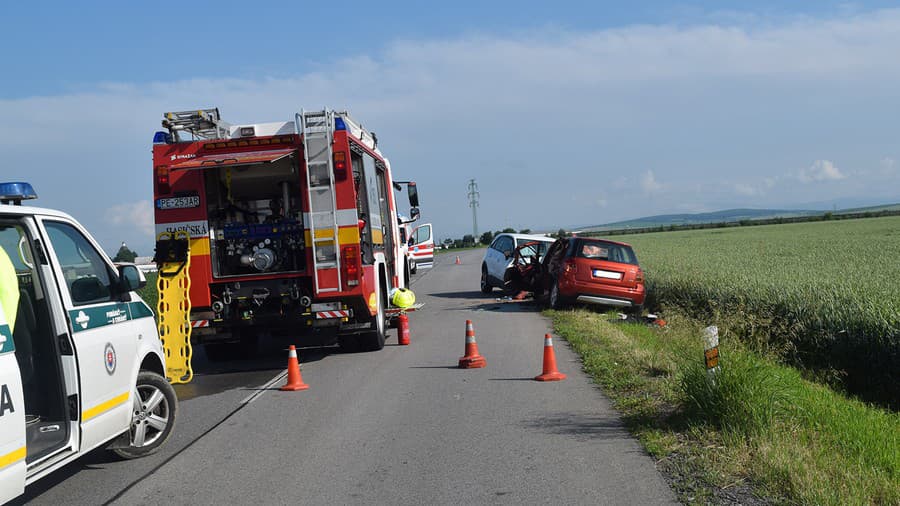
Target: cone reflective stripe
x,y
550,372
294,380
472,359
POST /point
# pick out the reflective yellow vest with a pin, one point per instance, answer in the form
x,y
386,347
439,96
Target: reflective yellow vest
x,y
9,290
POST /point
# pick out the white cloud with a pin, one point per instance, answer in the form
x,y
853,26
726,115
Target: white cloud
x,y
746,190
138,215
820,170
649,183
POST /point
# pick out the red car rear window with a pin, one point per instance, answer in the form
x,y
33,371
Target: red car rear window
x,y
602,250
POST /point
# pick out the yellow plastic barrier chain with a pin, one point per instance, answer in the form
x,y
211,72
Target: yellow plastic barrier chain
x,y
174,307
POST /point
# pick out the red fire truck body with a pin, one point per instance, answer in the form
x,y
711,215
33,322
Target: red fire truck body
x,y
292,226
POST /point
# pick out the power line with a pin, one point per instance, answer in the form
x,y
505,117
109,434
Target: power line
x,y
473,203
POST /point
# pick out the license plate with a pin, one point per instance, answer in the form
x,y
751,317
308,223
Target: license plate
x,y
178,202
598,273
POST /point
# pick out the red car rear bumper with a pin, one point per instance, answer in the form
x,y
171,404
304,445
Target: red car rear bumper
x,y
607,295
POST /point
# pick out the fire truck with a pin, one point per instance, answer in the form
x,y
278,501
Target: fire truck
x,y
292,227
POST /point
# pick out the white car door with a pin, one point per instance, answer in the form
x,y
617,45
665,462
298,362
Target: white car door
x,y
104,331
12,418
422,245
497,264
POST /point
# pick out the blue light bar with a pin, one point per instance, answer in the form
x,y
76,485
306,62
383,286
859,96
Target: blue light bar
x,y
339,123
15,193
162,138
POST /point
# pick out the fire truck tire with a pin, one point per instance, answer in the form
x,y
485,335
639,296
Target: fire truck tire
x,y
155,410
374,340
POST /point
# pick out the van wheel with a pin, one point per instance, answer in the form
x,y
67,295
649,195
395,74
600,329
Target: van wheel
x,y
485,284
153,415
413,268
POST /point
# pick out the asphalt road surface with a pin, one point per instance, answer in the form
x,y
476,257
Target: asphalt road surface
x,y
400,426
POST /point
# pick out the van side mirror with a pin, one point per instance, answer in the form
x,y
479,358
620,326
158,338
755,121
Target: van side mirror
x,y
131,278
413,214
413,194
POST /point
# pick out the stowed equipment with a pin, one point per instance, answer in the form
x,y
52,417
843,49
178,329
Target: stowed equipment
x,y
173,262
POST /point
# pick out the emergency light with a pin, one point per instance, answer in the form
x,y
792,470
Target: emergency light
x,y
15,193
339,123
162,138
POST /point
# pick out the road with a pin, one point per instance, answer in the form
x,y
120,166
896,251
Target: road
x,y
398,426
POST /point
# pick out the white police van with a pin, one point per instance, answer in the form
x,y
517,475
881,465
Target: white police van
x,y
81,363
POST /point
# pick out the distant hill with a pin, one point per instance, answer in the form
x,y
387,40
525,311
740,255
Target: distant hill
x,y
726,216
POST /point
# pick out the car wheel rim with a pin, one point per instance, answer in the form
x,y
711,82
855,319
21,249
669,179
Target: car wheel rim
x,y
150,416
483,278
554,295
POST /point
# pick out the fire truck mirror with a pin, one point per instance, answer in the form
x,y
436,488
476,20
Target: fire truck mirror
x,y
413,195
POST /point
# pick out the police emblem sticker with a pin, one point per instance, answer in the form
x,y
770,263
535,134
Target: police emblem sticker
x,y
109,358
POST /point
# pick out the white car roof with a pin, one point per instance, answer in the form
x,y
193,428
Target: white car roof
x,y
9,209
529,237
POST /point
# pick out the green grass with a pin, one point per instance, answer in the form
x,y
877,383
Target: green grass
x,y
149,293
822,296
760,426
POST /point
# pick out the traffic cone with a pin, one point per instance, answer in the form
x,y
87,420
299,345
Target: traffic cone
x,y
472,359
457,260
403,329
294,380
550,371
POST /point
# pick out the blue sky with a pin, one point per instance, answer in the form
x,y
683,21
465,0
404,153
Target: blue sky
x,y
567,113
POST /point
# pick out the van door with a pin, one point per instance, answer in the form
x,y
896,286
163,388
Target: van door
x,y
103,329
12,417
422,245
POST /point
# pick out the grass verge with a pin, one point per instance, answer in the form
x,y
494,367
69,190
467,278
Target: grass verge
x,y
761,429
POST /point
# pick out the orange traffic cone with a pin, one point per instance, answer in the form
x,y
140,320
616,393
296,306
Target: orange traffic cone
x,y
457,260
550,371
472,359
294,381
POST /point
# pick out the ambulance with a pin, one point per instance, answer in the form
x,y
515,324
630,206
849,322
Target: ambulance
x,y
81,362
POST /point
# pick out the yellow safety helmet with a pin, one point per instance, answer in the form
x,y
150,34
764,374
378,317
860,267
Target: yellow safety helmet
x,y
402,298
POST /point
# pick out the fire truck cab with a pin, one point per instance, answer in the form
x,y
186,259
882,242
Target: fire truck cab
x,y
293,227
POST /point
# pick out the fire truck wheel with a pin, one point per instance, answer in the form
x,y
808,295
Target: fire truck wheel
x,y
154,411
374,340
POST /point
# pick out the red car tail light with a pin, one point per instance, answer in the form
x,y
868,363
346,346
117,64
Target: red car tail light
x,y
350,265
162,180
639,277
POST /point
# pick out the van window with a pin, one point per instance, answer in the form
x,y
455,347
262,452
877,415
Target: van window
x,y
87,275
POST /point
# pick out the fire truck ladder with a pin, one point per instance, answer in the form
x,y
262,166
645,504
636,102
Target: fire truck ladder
x,y
202,124
317,128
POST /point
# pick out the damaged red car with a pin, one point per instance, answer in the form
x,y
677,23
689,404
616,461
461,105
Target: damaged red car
x,y
581,269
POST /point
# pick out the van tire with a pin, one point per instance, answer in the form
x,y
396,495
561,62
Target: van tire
x,y
151,424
